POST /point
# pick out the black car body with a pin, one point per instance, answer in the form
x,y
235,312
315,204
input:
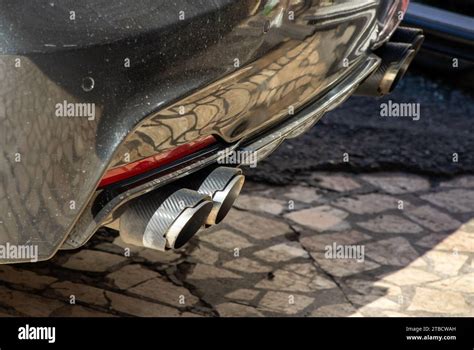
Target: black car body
x,y
108,105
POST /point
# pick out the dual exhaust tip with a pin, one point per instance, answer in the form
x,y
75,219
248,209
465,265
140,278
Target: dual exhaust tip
x,y
169,217
396,55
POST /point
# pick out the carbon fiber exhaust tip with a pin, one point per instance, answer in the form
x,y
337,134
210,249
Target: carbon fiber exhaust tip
x,y
396,56
407,35
223,185
400,56
164,219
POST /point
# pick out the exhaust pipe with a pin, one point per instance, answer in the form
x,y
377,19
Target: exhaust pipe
x,y
396,56
223,185
164,219
169,217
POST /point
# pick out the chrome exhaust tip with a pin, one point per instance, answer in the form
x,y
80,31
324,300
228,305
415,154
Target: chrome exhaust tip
x,y
164,219
223,185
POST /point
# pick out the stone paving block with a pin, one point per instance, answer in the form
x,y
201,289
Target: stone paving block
x,y
226,240
204,272
257,227
81,292
410,276
6,314
24,277
166,292
93,261
343,267
458,241
373,287
322,218
420,262
367,203
303,194
243,294
395,251
79,311
455,201
466,181
190,314
394,314
462,283
137,307
282,252
237,310
432,219
247,265
318,242
304,269
293,281
390,224
131,275
335,310
373,302
284,303
28,304
397,183
205,255
446,263
439,302
155,256
468,226
339,183
262,204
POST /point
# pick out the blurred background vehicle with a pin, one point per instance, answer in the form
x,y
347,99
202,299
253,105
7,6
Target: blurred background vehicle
x,y
449,37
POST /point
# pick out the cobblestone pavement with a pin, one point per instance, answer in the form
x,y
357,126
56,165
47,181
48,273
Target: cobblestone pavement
x,y
270,258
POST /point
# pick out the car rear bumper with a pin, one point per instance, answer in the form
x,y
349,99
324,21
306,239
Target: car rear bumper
x,y
260,80
248,153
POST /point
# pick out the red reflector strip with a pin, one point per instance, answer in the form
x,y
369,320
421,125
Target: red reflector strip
x,y
143,165
405,4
